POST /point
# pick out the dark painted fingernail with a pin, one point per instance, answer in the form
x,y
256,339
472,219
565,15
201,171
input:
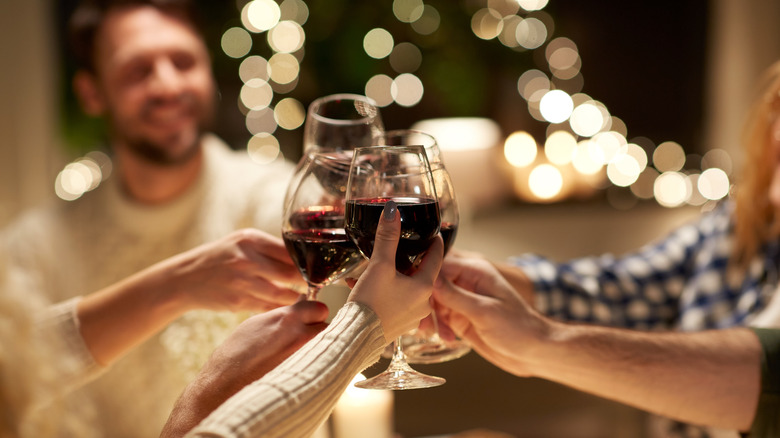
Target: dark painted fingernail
x,y
390,208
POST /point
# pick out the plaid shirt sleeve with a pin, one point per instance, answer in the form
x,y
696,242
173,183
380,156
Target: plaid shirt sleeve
x,y
640,290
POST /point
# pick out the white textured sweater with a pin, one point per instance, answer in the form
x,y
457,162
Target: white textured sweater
x,y
73,248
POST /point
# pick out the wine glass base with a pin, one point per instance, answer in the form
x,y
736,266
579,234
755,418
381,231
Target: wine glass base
x,y
435,352
400,380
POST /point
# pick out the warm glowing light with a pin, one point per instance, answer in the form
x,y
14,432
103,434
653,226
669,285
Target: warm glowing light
x,y
531,33
559,147
378,43
611,144
405,58
256,94
429,22
284,68
263,148
717,158
520,149
583,159
262,15
586,120
532,5
253,67
294,10
505,8
623,170
639,155
668,157
379,88
286,37
563,58
486,23
408,11
714,184
531,82
545,181
508,35
407,90
696,198
261,121
556,106
643,187
289,113
671,189
236,42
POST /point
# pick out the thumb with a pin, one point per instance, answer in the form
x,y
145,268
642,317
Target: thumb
x,y
388,232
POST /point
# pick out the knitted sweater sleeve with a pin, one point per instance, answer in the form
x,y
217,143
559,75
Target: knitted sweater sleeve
x,y
298,395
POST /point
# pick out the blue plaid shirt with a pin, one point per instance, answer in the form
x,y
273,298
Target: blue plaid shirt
x,y
678,282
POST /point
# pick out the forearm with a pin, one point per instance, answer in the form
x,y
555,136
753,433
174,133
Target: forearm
x,y
125,314
710,378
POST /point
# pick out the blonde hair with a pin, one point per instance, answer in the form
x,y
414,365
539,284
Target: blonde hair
x,y
756,217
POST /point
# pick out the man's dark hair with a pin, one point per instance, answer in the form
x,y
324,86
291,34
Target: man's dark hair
x,y
87,17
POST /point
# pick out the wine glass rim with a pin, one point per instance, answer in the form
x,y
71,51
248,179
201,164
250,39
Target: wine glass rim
x,y
343,96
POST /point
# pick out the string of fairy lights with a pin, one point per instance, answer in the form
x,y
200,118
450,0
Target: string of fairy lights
x,y
585,147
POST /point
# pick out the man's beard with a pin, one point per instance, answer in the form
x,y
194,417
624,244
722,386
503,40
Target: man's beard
x,y
157,152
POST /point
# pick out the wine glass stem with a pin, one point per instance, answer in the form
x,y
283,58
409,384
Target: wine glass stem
x,y
311,293
435,321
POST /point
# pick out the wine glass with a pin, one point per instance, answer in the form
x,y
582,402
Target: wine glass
x,y
402,174
424,345
337,123
313,224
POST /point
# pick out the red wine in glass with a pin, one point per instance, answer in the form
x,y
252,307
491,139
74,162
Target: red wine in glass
x,y
448,233
419,226
319,245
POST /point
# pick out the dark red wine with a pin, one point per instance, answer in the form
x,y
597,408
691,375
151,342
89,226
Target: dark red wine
x,y
448,233
420,224
318,244
322,255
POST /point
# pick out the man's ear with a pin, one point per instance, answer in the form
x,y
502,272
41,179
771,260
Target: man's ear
x,y
86,89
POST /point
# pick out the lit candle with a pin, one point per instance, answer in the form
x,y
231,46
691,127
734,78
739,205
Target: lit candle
x,y
362,413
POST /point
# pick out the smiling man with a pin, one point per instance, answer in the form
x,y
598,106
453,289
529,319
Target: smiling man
x,y
145,70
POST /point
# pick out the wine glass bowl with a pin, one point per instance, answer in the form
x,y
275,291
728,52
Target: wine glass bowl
x,y
313,225
341,122
401,174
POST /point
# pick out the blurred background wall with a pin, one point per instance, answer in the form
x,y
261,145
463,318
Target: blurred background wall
x,y
682,72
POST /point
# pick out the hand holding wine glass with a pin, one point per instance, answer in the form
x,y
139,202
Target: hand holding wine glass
x,y
425,344
402,175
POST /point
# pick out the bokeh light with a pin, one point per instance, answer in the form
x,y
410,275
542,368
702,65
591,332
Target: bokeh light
x,y
378,43
428,22
261,121
256,94
671,189
405,58
556,106
379,88
286,37
263,148
408,11
583,159
520,149
283,68
714,184
289,113
532,5
559,147
531,33
294,10
669,156
261,15
545,181
253,67
407,90
487,23
586,120
236,42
